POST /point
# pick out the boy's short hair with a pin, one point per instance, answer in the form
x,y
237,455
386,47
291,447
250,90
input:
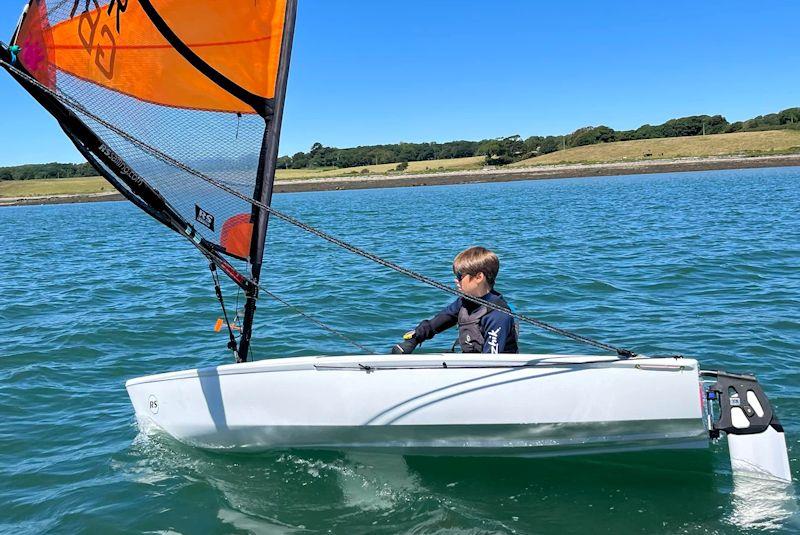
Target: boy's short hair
x,y
477,260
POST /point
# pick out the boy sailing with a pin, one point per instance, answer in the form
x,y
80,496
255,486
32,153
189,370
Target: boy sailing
x,y
480,330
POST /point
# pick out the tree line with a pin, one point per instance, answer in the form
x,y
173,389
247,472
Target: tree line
x,y
497,151
47,170
322,156
505,150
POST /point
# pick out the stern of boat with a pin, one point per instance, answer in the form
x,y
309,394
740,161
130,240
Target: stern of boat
x,y
739,408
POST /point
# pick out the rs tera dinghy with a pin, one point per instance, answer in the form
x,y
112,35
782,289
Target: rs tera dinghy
x,y
178,104
446,404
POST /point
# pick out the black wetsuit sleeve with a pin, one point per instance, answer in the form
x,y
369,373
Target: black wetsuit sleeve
x,y
442,321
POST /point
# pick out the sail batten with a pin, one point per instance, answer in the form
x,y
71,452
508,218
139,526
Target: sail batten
x,y
260,104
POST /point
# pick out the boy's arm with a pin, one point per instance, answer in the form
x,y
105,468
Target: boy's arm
x,y
442,321
497,328
428,328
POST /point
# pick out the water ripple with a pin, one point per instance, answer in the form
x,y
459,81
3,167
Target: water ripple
x,y
703,264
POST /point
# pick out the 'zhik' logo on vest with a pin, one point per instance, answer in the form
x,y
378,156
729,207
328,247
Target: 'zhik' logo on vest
x,y
493,345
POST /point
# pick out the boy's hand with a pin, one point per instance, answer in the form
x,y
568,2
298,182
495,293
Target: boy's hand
x,y
408,344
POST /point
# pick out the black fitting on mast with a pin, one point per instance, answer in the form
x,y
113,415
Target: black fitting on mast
x,y
5,52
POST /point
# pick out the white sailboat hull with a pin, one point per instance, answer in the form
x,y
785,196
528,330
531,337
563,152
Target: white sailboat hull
x,y
440,404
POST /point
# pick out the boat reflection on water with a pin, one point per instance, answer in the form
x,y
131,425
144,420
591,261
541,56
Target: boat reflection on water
x,y
764,504
309,491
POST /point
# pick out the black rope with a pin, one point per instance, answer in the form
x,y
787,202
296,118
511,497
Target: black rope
x,y
435,284
232,345
327,237
236,307
317,322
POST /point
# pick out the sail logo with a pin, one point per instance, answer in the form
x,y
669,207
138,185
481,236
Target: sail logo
x,y
204,218
96,35
121,5
123,169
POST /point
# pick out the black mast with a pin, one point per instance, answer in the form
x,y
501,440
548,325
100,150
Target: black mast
x,y
266,178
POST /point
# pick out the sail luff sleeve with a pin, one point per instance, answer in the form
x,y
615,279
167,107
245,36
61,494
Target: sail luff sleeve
x,y
264,183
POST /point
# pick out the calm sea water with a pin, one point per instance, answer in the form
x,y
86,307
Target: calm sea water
x,y
703,264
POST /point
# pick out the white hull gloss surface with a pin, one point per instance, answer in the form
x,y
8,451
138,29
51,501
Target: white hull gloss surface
x,y
437,404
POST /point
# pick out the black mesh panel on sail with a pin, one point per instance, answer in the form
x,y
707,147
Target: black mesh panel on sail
x,y
108,62
232,159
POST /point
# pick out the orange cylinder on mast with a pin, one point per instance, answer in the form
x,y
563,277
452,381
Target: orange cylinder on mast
x,y
236,235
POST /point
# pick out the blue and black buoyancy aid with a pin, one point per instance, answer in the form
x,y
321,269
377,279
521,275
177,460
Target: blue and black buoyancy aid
x,y
480,330
478,325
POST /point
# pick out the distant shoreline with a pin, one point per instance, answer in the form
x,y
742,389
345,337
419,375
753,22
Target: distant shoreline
x,y
508,174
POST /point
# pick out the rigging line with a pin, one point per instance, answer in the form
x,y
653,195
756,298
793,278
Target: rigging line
x,y
59,5
328,328
236,309
327,237
435,284
232,342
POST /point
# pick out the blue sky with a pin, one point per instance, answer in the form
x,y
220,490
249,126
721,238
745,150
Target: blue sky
x,y
367,72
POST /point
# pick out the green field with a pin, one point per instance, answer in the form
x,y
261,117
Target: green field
x,y
55,186
454,164
740,143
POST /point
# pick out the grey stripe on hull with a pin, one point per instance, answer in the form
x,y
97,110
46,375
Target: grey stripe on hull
x,y
471,440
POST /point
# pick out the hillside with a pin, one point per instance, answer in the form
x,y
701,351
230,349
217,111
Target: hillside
x,y
740,143
425,166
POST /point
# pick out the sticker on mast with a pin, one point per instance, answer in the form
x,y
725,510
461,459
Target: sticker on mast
x,y
204,218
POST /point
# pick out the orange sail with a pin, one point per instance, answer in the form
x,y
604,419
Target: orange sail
x,y
120,46
178,104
